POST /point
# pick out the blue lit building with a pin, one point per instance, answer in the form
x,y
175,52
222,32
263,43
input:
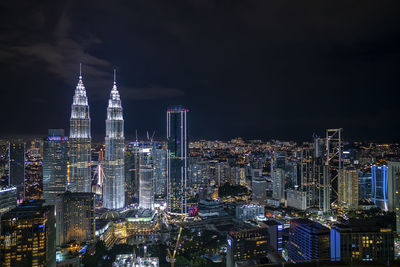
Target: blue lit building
x,y
177,161
308,241
380,186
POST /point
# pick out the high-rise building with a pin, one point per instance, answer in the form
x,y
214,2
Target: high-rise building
x,y
278,184
17,168
34,171
380,186
28,236
55,176
75,217
146,178
245,245
365,185
80,142
131,172
160,171
177,160
348,188
361,241
308,241
393,190
259,187
4,162
114,182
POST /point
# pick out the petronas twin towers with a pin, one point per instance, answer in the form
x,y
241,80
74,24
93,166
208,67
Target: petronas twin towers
x,y
80,148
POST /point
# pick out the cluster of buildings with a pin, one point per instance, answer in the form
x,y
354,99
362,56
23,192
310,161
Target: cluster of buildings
x,y
273,201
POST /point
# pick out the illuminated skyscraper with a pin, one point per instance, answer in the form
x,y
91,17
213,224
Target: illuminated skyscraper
x,y
54,165
79,140
75,217
176,160
113,188
380,186
146,178
348,188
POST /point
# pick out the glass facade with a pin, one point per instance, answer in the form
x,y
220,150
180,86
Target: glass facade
x,y
380,186
75,217
80,142
54,165
114,182
17,168
177,160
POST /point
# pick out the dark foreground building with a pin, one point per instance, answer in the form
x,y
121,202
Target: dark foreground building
x,y
246,245
362,241
28,236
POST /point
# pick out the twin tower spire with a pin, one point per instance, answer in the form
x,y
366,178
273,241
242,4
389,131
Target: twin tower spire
x,y
80,147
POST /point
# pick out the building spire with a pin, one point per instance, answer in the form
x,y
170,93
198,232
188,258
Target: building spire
x,y
80,71
115,75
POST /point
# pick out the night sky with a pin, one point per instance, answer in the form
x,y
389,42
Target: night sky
x,y
257,69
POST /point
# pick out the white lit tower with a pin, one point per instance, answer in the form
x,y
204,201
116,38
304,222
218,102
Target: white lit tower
x,y
113,187
79,141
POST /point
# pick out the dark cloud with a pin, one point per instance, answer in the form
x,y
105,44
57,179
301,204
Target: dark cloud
x,y
259,69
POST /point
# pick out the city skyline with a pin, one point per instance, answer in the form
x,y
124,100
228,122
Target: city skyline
x,y
252,74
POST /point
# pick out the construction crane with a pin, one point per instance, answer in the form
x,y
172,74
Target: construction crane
x,y
172,257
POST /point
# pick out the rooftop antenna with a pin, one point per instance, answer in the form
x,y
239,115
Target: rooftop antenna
x,y
151,139
136,136
80,70
115,74
147,132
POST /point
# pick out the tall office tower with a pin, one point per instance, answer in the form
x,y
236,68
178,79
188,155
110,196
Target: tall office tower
x,y
365,185
307,181
393,190
380,186
308,241
362,241
34,171
160,171
55,176
259,187
80,142
177,160
75,217
28,236
333,163
146,178
114,184
131,172
17,168
278,184
348,188
4,162
245,245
